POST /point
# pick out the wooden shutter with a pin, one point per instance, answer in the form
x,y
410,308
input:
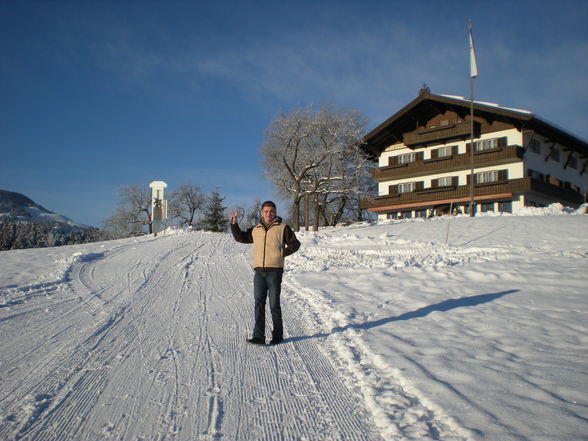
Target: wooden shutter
x,y
455,181
501,142
434,183
419,156
419,185
392,160
502,175
454,150
392,189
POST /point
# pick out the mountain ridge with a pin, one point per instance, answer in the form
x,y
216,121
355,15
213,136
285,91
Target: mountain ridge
x,y
16,207
26,224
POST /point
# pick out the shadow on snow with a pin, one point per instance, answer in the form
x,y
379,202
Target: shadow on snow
x,y
444,306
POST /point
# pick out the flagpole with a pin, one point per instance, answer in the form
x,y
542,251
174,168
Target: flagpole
x,y
473,74
472,176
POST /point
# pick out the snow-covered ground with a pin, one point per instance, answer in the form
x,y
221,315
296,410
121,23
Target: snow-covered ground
x,y
437,329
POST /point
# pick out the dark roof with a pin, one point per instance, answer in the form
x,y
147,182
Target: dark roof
x,y
427,105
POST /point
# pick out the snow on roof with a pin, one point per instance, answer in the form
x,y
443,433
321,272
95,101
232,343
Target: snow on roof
x,y
485,103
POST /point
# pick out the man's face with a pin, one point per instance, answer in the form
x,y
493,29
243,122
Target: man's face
x,y
268,213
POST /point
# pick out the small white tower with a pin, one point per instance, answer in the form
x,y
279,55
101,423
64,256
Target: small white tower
x,y
158,205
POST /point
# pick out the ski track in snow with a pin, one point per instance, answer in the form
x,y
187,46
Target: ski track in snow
x,y
146,341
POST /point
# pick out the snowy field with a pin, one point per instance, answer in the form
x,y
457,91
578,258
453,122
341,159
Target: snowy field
x,y
437,329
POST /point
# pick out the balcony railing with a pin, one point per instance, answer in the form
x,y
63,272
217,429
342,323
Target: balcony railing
x,y
426,167
438,134
430,197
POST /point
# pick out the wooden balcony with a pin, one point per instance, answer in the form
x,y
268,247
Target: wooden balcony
x,y
430,197
503,155
439,134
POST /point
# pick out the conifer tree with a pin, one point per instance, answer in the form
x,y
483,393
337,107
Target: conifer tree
x,y
215,218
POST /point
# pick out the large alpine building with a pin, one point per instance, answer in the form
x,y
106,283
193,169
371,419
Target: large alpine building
x,y
424,159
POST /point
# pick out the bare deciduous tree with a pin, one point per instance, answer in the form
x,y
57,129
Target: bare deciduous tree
x,y
252,216
314,155
119,226
285,156
185,202
133,210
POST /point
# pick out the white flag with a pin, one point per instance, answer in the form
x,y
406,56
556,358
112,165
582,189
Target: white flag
x,y
473,65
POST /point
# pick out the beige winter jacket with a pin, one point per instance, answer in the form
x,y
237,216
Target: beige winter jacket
x,y
270,245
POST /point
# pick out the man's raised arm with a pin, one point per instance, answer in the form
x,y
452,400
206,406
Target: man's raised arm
x,y
238,234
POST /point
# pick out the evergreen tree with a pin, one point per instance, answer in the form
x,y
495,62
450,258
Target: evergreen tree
x,y
215,218
19,235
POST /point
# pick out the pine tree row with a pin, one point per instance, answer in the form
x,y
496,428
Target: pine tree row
x,y
20,235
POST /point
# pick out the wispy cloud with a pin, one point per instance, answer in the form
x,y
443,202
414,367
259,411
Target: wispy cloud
x,y
345,67
376,69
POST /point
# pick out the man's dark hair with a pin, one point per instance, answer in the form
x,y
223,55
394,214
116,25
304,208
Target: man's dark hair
x,y
269,204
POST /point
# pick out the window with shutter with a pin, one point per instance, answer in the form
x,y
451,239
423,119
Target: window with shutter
x,y
406,158
554,154
486,177
535,146
486,144
406,187
573,162
533,174
505,207
487,206
444,152
446,181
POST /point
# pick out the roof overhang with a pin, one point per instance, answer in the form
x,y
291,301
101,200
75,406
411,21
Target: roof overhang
x,y
427,105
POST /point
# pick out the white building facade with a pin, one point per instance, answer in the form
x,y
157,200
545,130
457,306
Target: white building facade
x,y
425,161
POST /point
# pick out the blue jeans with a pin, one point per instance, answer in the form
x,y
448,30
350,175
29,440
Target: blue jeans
x,y
268,283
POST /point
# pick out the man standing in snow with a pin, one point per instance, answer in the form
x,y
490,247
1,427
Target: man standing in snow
x,y
272,241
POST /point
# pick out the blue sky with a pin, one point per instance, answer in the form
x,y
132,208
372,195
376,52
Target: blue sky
x,y
96,95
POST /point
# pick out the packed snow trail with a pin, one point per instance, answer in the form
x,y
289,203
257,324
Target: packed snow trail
x,y
146,341
396,331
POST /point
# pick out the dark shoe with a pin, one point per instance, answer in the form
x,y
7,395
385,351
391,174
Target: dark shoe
x,y
256,341
275,341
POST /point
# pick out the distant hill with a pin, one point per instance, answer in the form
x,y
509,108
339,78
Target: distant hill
x,y
19,208
26,224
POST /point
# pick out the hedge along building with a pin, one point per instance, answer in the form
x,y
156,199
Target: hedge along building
x,y
424,158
